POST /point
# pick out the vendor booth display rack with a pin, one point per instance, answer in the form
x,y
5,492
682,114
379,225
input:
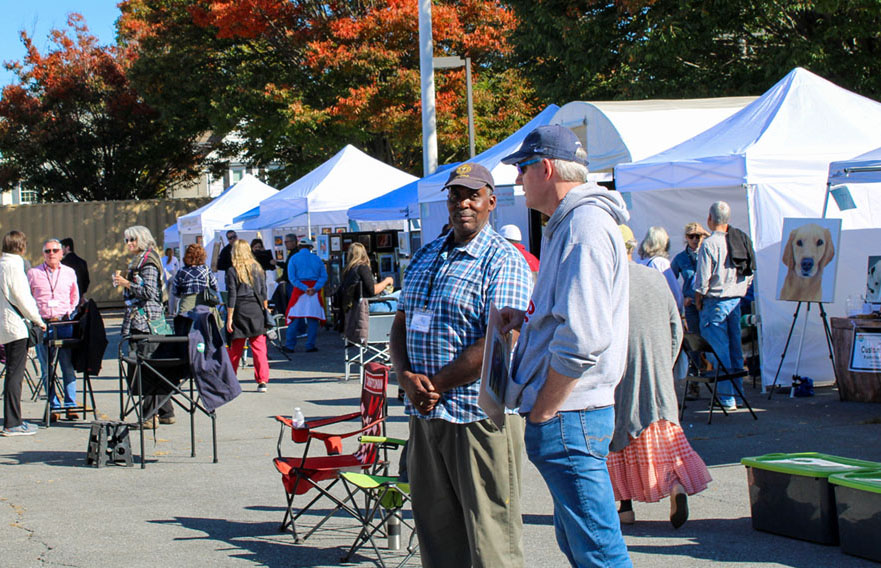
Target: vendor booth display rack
x,y
790,494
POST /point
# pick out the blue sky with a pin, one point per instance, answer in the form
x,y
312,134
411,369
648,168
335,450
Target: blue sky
x,y
37,17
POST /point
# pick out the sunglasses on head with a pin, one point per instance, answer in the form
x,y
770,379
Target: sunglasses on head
x,y
694,236
521,166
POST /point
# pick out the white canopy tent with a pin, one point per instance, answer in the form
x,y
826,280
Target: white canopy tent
x,y
217,214
768,161
170,236
618,132
510,204
861,176
323,196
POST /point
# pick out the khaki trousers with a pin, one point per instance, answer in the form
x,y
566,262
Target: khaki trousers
x,y
465,490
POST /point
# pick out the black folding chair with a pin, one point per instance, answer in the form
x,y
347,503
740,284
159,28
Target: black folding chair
x,y
54,344
159,365
694,346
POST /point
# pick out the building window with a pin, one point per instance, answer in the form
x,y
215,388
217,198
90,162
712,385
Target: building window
x,y
28,196
236,174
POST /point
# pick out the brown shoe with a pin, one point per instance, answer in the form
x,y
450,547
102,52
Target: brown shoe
x,y
150,423
167,420
54,417
72,415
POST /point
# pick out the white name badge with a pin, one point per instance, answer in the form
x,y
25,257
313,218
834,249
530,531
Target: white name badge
x,y
421,320
54,303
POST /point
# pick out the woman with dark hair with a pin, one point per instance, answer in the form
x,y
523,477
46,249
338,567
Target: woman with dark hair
x,y
267,263
142,292
16,305
261,255
246,303
192,282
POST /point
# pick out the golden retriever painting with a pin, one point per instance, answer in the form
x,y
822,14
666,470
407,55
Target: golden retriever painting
x,y
808,250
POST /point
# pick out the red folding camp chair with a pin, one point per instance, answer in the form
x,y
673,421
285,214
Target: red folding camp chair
x,y
302,474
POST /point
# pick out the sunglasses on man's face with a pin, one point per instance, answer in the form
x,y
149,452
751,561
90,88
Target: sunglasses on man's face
x,y
521,166
50,251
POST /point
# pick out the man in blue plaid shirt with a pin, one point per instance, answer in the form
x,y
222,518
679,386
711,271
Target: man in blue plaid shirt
x,y
464,471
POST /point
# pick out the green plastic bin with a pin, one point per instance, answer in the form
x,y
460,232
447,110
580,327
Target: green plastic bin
x,y
790,494
858,499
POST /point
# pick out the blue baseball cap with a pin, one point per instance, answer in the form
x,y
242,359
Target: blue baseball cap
x,y
551,141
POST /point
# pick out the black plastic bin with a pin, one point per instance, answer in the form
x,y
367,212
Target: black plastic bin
x,y
858,499
790,494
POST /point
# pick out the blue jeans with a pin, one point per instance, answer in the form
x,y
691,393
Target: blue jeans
x,y
570,452
720,326
68,375
296,328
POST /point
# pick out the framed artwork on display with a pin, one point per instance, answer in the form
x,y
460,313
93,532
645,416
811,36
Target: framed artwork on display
x,y
383,241
808,260
336,243
324,247
278,240
366,241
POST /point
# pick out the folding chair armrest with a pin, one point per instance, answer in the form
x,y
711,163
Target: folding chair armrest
x,y
301,435
326,436
382,440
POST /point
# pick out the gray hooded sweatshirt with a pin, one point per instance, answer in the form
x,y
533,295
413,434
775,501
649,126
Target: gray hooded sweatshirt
x,y
577,321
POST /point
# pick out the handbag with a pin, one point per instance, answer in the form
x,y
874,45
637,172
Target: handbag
x,y
212,298
35,333
158,326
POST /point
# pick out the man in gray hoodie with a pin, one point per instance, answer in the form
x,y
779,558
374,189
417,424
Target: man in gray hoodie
x,y
573,344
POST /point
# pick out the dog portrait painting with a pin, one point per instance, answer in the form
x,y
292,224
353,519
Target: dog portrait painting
x,y
808,260
873,280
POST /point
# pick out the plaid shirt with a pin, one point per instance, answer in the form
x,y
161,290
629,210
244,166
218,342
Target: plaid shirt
x,y
145,292
457,284
192,280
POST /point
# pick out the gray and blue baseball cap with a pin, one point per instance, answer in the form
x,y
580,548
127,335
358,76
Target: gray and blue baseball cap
x,y
551,141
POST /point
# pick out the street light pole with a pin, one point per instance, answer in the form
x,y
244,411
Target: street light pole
x,y
426,74
470,106
453,62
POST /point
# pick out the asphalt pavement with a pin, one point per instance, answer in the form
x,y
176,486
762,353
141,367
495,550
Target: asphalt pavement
x,y
183,511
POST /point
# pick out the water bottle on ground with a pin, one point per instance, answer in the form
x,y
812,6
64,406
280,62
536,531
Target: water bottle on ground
x,y
298,420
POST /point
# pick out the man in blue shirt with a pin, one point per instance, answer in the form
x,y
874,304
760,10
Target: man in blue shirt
x,y
307,275
464,471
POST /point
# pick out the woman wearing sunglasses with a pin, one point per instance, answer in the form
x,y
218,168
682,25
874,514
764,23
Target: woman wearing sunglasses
x,y
684,265
143,286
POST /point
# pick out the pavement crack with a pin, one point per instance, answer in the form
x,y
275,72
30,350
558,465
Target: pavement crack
x,y
19,523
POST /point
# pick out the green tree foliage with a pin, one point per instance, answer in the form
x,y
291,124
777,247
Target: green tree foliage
x,y
72,127
299,79
634,49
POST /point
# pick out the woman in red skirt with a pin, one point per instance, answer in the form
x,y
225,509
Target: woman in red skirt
x,y
650,458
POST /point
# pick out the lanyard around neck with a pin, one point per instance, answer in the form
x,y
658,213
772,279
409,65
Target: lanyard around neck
x,y
49,279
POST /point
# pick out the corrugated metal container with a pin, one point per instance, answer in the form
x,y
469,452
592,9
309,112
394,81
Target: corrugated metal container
x,y
96,228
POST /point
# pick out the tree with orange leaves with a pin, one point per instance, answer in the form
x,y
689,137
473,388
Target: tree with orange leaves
x,y
299,79
73,129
